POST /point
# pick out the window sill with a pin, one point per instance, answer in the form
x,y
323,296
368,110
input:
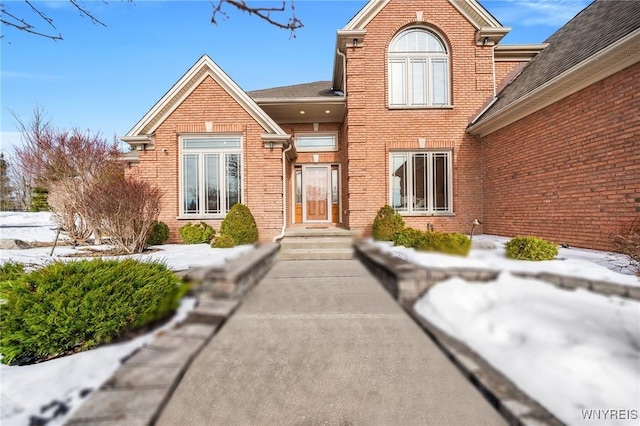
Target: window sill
x,y
419,107
199,217
426,214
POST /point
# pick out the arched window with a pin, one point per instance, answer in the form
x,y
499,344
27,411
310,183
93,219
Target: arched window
x,y
418,70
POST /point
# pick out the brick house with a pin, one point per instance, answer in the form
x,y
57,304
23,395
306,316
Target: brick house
x,y
423,113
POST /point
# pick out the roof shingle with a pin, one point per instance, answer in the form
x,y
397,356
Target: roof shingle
x,y
316,89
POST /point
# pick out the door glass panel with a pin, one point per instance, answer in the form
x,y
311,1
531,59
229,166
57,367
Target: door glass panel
x,y
317,193
298,186
334,186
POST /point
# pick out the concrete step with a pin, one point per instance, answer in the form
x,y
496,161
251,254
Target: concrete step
x,y
321,232
316,254
315,242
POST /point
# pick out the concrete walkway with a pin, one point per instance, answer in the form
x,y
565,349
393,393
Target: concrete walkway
x,y
321,342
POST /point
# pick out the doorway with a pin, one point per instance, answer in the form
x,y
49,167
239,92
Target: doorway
x,y
317,198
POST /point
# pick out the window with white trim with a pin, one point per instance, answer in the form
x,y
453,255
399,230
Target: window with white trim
x,y
418,70
420,182
316,143
211,175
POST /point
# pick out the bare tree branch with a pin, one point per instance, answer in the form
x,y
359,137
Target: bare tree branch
x,y
263,13
22,25
86,13
42,15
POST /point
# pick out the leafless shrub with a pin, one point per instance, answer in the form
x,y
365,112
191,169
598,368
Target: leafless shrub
x,y
628,239
124,209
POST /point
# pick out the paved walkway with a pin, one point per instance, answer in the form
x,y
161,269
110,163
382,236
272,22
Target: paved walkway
x,y
321,342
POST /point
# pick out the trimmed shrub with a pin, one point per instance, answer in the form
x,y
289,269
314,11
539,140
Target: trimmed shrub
x,y
531,248
159,234
11,271
628,240
201,233
223,241
386,224
66,307
240,225
408,237
450,243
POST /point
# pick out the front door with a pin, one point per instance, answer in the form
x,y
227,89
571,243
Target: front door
x,y
316,194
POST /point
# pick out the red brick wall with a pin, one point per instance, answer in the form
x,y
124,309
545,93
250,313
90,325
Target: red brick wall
x,y
570,172
373,129
262,167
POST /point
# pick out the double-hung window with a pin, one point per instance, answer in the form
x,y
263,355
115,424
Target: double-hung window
x,y
418,70
211,175
420,182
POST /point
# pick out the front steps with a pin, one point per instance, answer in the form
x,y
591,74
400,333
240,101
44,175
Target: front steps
x,y
301,243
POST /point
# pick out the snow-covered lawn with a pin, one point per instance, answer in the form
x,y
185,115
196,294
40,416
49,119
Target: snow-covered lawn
x,y
569,350
24,390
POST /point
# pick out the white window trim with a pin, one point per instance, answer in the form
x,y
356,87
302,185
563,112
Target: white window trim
x,y
182,215
430,210
408,81
318,134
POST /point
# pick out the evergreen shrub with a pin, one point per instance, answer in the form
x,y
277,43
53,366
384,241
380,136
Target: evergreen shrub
x,y
450,243
67,307
200,233
240,225
159,234
223,241
386,224
531,248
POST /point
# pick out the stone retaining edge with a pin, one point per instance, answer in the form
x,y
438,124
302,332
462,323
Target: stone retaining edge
x,y
142,386
406,282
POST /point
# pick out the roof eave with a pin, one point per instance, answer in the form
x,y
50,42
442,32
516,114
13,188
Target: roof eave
x,y
616,57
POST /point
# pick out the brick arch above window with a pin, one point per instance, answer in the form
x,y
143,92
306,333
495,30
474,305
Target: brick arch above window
x,y
419,69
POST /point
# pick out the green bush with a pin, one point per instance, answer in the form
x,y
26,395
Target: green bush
x,y
197,234
11,271
408,237
66,307
386,224
240,225
159,234
223,241
39,202
450,243
531,248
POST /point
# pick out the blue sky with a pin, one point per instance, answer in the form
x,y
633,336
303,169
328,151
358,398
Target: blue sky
x,y
106,79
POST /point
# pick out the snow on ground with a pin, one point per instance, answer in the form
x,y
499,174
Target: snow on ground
x,y
575,262
25,389
569,350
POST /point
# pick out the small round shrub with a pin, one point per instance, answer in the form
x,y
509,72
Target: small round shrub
x,y
223,241
200,233
386,224
240,225
159,234
67,307
531,248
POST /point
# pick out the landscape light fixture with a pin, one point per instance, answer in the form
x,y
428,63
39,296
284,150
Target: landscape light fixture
x,y
473,225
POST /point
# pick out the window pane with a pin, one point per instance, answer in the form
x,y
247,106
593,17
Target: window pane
x,y
334,186
212,184
441,182
233,179
298,186
418,82
191,188
440,77
211,143
322,142
420,195
399,181
397,71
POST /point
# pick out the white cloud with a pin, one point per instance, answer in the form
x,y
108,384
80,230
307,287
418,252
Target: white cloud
x,y
548,13
29,75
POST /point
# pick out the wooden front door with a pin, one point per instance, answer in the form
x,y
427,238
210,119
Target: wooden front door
x,y
316,193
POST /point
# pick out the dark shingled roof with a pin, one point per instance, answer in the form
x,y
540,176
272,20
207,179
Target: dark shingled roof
x,y
316,89
602,23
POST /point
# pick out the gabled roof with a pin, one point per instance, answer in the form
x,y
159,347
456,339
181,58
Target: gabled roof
x,y
142,132
317,89
601,40
488,29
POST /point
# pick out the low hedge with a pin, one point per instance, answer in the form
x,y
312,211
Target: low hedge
x,y
531,248
66,307
200,233
450,243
